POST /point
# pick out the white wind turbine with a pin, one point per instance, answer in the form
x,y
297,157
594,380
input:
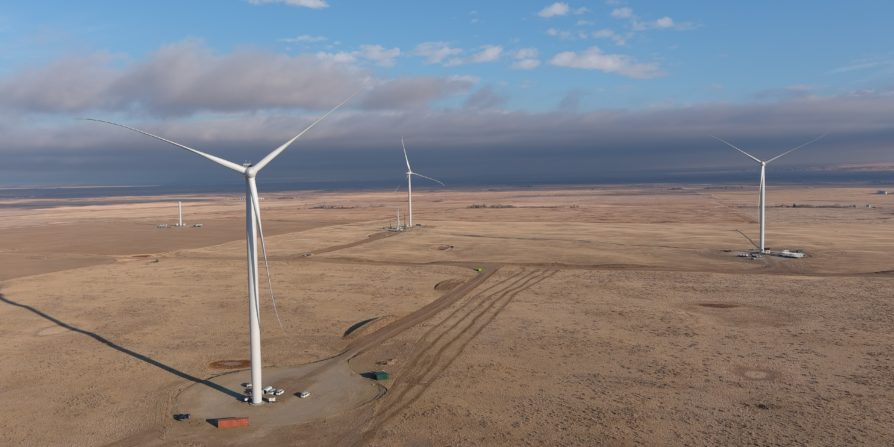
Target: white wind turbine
x,y
410,175
763,189
252,228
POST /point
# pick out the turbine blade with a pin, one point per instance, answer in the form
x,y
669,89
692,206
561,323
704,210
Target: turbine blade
x,y
407,159
264,161
225,163
398,188
257,208
796,148
736,148
429,178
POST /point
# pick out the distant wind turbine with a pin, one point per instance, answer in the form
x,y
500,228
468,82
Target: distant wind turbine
x,y
763,189
410,175
252,228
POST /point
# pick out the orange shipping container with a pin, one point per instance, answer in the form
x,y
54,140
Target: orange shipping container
x,y
232,422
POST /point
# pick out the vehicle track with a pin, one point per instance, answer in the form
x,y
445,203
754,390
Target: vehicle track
x,y
769,270
371,238
445,341
425,312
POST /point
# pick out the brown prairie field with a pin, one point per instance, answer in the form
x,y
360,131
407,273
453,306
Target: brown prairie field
x,y
600,316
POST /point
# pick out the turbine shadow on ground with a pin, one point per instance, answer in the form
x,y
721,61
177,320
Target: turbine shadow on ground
x,y
122,349
749,239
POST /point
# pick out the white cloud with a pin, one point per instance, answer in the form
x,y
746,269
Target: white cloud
x,y
442,53
375,53
610,34
526,64
341,57
640,25
437,52
313,4
379,54
559,33
181,78
556,9
188,78
664,22
489,53
304,38
622,13
526,59
594,59
526,53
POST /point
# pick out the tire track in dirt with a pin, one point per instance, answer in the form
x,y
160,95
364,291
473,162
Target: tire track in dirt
x,y
427,370
371,238
424,313
414,361
443,343
436,333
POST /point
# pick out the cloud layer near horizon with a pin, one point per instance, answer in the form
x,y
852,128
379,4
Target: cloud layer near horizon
x,y
187,78
243,103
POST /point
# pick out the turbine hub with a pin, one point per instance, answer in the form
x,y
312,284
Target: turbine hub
x,y
249,170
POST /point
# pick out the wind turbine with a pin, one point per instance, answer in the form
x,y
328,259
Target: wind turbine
x,y
252,228
410,175
763,189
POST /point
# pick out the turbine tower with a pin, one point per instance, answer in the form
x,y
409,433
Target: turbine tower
x,y
410,175
180,213
763,189
252,228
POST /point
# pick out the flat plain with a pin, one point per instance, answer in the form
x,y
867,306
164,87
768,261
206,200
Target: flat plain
x,y
605,315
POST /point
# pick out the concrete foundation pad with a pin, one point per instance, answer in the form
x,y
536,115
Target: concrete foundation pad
x,y
334,388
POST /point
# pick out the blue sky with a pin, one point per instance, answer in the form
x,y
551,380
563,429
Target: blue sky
x,y
607,79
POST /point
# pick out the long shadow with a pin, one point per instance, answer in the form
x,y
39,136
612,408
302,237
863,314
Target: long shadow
x,y
359,325
746,237
122,349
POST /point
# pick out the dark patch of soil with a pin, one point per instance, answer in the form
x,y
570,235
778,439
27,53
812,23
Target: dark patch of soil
x,y
368,326
358,325
230,364
719,305
448,284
